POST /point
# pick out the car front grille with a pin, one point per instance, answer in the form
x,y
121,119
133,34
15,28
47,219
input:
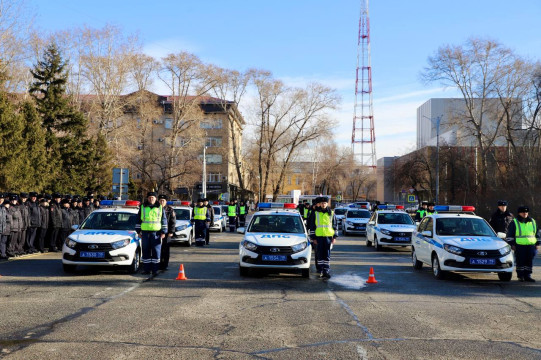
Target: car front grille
x,y
274,250
93,247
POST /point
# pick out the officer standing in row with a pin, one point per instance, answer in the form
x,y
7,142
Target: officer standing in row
x,y
501,218
67,221
25,222
419,215
524,240
232,213
171,225
323,230
44,223
55,225
211,222
34,221
5,227
16,226
87,207
243,211
151,225
200,217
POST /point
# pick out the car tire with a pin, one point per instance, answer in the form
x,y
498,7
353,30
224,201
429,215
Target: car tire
x,y
436,269
305,273
505,276
69,268
190,241
244,271
417,265
368,242
134,267
377,246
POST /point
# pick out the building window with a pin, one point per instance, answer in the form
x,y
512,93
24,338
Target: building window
x,y
214,177
297,180
168,123
211,124
212,158
289,180
214,141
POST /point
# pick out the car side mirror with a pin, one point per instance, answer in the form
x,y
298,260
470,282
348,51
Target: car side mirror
x,y
501,235
241,230
427,233
74,227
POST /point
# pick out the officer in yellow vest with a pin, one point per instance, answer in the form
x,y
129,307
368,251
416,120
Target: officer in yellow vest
x,y
200,217
151,225
523,238
232,213
323,230
420,213
243,211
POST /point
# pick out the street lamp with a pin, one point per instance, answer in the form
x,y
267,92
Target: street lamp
x,y
204,183
437,121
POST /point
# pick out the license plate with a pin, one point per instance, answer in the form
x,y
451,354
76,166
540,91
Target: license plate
x,y
92,254
359,227
402,239
482,261
274,258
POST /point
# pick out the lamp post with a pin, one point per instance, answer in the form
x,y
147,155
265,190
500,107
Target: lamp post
x,y
204,183
437,121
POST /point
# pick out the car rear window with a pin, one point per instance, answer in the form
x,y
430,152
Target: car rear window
x,y
276,224
340,211
463,227
363,214
394,218
110,221
183,214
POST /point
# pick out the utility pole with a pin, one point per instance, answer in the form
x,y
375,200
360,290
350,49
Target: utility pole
x,y
204,182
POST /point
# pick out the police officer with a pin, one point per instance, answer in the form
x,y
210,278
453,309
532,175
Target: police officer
x,y
524,240
211,217
200,217
5,227
34,221
74,212
16,226
232,213
67,221
25,222
501,218
55,224
323,230
44,224
87,207
243,211
430,209
171,225
420,214
152,227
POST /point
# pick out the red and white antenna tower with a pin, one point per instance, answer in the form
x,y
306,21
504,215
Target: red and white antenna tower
x,y
363,138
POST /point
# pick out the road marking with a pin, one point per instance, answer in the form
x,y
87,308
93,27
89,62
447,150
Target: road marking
x,y
346,307
363,354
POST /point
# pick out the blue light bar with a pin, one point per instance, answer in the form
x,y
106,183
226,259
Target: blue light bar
x,y
453,208
390,207
106,202
264,205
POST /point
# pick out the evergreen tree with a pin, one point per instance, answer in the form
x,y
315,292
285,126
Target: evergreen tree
x,y
12,147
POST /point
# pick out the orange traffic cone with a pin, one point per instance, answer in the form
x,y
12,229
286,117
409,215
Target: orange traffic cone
x,y
181,275
371,277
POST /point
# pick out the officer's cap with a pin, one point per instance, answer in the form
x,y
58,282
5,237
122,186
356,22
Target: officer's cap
x,y
201,200
152,193
1,195
86,199
66,201
523,208
431,203
90,196
502,202
47,197
162,196
24,195
33,194
42,200
322,199
13,197
424,203
56,196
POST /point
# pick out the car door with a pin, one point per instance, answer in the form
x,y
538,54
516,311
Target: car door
x,y
370,227
422,243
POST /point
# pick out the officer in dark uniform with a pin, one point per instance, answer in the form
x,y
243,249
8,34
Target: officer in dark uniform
x,y
25,222
67,221
5,227
16,226
34,216
80,209
243,211
501,218
211,222
420,213
323,230
200,217
152,226
232,213
523,237
44,224
171,225
74,212
55,216
87,207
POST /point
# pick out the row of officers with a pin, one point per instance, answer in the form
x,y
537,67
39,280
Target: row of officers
x,y
32,222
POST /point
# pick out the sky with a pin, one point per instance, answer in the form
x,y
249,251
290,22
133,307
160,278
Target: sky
x,y
302,41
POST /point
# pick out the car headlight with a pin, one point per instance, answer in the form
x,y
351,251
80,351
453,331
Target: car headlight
x,y
505,250
120,244
349,222
181,227
386,232
70,243
453,249
299,247
249,245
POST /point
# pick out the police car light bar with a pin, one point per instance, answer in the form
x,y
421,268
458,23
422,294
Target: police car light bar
x,y
290,206
125,203
264,205
390,207
454,208
178,203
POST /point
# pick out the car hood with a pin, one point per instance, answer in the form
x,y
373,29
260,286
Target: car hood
x,y
102,236
358,220
183,222
474,242
398,227
275,239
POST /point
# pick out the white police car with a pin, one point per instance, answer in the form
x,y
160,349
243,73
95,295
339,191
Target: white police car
x,y
275,240
220,220
107,237
460,242
184,230
355,221
339,215
389,225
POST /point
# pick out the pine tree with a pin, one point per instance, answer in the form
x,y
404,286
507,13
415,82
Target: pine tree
x,y
12,147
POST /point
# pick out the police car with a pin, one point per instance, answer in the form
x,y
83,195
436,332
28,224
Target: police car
x,y
106,237
184,230
460,242
220,221
339,215
355,221
389,225
275,240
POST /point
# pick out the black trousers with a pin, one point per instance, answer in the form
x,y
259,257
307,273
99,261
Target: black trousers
x,y
524,255
164,253
31,237
42,235
232,223
53,235
207,235
21,242
13,242
3,245
324,254
64,233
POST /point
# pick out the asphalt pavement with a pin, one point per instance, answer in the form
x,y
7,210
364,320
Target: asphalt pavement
x,y
217,314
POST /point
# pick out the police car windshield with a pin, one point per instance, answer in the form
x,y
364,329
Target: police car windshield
x,y
460,226
110,221
394,218
276,224
363,214
340,211
217,210
183,214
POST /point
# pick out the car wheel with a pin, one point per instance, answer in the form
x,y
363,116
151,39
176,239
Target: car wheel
x,y
134,267
377,246
436,269
417,265
69,268
190,241
243,271
505,276
305,273
368,242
